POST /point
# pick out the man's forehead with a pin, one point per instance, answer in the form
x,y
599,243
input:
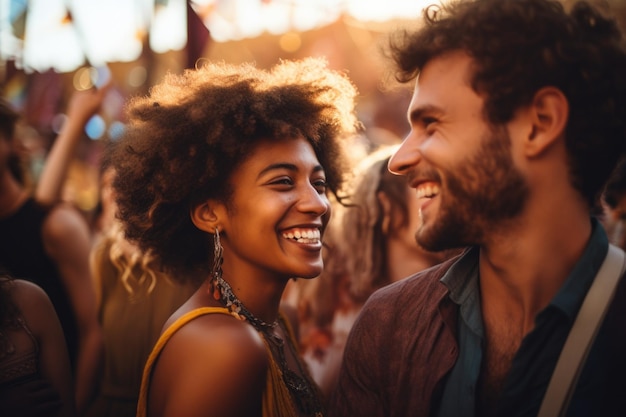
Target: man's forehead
x,y
451,65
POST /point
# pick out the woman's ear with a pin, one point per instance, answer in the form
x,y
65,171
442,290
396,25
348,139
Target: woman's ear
x,y
549,114
385,204
207,216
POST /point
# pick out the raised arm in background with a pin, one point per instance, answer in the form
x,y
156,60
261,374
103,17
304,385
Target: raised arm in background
x,y
82,106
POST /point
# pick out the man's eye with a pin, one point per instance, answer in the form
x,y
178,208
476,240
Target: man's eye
x,y
428,121
429,125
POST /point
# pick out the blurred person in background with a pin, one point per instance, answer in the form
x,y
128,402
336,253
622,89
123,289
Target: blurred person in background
x,y
135,299
35,372
48,243
614,199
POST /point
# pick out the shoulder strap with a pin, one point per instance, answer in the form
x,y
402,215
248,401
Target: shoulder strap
x,y
580,338
142,404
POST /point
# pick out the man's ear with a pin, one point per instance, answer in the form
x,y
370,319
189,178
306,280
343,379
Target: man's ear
x,y
549,112
208,215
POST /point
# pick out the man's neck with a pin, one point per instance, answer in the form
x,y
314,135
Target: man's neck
x,y
520,274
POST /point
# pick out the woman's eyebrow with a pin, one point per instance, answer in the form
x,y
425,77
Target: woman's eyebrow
x,y
286,165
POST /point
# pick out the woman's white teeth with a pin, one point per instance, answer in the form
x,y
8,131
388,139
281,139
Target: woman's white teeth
x,y
304,236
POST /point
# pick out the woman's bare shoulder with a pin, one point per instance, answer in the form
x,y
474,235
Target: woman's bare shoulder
x,y
34,306
213,361
219,334
30,297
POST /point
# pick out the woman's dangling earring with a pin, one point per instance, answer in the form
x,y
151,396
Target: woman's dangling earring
x,y
216,268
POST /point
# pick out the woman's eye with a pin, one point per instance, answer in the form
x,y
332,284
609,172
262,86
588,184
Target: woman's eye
x,y
283,181
320,185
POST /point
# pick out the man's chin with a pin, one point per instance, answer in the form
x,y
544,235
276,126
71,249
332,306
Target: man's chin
x,y
431,243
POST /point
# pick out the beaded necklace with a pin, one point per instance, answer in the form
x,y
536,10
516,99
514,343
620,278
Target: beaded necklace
x,y
300,386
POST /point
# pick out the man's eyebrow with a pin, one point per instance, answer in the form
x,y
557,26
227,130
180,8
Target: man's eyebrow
x,y
417,113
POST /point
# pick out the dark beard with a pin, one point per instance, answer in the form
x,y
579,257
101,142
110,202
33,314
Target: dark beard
x,y
479,195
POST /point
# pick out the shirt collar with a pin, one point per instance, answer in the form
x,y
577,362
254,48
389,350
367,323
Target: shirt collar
x,y
461,278
462,282
573,291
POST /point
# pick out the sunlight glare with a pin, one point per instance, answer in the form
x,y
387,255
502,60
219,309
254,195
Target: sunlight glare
x,y
116,30
168,31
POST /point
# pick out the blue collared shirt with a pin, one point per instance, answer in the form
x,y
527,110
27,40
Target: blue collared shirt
x,y
536,358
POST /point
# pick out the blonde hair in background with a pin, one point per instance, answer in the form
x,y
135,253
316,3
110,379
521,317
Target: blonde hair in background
x,y
364,228
135,269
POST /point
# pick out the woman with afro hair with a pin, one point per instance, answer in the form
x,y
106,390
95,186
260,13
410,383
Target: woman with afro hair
x,y
225,175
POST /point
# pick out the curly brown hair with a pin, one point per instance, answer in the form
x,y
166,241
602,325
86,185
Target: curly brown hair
x,y
185,139
521,46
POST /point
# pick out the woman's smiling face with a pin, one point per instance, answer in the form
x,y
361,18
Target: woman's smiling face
x,y
275,218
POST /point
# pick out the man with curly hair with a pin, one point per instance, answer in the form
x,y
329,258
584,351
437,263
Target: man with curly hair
x,y
517,119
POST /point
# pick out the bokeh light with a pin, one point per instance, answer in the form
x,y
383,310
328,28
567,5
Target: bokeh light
x,y
95,127
116,130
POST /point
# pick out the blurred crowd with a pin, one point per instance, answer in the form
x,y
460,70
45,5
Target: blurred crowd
x,y
82,306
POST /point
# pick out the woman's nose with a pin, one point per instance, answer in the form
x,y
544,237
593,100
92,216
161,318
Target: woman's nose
x,y
312,201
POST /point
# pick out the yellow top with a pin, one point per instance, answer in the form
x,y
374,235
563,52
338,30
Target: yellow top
x,y
276,398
